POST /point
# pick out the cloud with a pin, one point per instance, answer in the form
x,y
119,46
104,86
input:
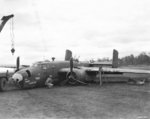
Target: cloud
x,y
91,29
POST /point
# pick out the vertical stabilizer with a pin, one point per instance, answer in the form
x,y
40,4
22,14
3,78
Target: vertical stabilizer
x,y
68,55
115,59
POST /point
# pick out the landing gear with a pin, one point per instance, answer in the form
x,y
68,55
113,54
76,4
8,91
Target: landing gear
x,y
3,82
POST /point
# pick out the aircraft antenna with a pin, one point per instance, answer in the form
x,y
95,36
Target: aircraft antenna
x,y
12,36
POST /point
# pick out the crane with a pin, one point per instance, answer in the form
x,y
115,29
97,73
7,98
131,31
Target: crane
x,y
4,19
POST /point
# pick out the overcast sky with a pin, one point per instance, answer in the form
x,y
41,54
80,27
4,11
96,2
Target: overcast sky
x,y
90,28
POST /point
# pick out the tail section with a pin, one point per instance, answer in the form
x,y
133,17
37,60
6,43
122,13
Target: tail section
x,y
115,59
68,55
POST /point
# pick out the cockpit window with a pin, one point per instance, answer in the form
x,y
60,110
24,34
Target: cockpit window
x,y
43,66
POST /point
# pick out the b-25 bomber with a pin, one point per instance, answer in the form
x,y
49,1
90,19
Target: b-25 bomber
x,y
62,72
73,73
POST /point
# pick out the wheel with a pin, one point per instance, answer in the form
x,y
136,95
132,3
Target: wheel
x,y
72,78
3,82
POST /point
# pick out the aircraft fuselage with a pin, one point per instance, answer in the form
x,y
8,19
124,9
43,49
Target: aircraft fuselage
x,y
36,75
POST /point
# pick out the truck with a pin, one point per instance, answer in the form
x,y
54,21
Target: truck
x,y
5,70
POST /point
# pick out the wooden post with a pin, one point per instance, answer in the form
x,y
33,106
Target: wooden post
x,y
100,75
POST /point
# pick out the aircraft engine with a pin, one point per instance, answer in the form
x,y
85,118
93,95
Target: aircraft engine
x,y
78,76
17,77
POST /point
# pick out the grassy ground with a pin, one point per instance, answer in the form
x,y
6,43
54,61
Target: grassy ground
x,y
111,101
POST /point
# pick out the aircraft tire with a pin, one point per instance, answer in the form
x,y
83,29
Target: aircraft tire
x,y
3,82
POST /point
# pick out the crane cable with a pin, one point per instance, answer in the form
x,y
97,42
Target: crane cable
x,y
40,28
12,36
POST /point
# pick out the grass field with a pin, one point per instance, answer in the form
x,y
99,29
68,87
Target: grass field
x,y
110,101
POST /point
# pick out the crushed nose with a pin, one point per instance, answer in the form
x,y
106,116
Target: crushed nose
x,y
17,77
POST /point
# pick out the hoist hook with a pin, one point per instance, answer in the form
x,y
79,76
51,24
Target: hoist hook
x,y
12,51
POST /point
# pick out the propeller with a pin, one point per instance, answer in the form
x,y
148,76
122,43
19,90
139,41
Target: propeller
x,y
70,74
71,65
18,64
73,77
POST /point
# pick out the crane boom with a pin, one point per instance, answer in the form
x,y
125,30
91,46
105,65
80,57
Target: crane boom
x,y
4,19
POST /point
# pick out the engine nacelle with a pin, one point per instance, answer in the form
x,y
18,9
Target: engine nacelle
x,y
77,76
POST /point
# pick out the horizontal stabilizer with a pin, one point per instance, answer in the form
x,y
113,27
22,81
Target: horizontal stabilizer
x,y
113,63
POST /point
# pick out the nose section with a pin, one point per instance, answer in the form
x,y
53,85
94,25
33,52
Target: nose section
x,y
17,77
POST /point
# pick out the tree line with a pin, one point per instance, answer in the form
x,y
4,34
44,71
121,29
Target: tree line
x,y
142,59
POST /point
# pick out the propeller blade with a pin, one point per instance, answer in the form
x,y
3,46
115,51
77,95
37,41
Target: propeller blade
x,y
18,63
71,65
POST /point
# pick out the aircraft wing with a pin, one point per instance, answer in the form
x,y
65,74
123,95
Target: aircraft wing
x,y
101,63
116,70
123,70
7,66
87,74
133,73
13,66
6,71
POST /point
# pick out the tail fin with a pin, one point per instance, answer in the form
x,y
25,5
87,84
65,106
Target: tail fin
x,y
115,59
68,55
